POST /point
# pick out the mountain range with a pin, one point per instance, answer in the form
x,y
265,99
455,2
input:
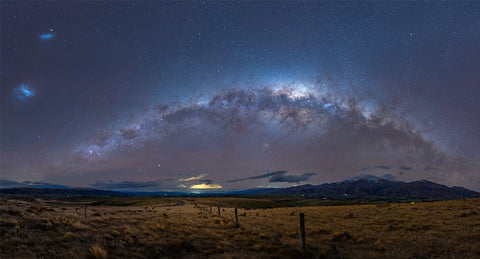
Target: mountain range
x,y
369,186
364,186
29,191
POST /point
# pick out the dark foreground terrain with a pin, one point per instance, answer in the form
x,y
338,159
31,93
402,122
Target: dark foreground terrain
x,y
140,227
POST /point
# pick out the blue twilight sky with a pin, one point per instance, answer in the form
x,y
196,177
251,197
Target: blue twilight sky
x,y
185,96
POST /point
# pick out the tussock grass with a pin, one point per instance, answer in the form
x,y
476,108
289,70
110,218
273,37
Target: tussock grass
x,y
436,229
96,252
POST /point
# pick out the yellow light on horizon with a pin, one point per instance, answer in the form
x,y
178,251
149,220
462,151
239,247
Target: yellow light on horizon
x,y
206,186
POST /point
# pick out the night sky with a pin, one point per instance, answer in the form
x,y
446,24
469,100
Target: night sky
x,y
220,96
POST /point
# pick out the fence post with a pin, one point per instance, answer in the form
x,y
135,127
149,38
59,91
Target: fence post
x,y
236,217
85,211
210,209
302,230
218,210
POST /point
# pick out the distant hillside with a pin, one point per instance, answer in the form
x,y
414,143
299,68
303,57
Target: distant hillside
x,y
25,191
29,184
363,187
371,186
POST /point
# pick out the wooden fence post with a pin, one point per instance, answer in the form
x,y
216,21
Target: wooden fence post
x,y
302,229
85,211
218,210
236,217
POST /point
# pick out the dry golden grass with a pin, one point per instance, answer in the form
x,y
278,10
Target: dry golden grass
x,y
54,229
96,252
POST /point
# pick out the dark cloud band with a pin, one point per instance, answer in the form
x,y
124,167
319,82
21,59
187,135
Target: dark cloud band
x,y
278,177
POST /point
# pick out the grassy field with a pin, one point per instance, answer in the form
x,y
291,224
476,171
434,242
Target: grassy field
x,y
185,227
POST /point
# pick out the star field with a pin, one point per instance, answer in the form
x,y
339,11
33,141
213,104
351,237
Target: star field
x,y
213,95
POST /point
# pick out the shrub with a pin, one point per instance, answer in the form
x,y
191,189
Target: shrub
x,y
96,252
69,236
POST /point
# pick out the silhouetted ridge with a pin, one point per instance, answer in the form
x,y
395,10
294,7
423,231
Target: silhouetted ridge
x,y
371,186
58,192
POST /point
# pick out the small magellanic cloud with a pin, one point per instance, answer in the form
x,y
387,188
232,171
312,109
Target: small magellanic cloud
x,y
46,36
206,186
23,93
193,178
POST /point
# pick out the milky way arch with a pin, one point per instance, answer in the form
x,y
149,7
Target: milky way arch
x,y
237,111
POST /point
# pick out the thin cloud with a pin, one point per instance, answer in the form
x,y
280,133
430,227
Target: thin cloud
x,y
290,178
384,167
14,184
278,177
193,178
258,176
125,185
206,186
133,185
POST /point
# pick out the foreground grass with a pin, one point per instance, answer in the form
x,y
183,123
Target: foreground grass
x,y
153,228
